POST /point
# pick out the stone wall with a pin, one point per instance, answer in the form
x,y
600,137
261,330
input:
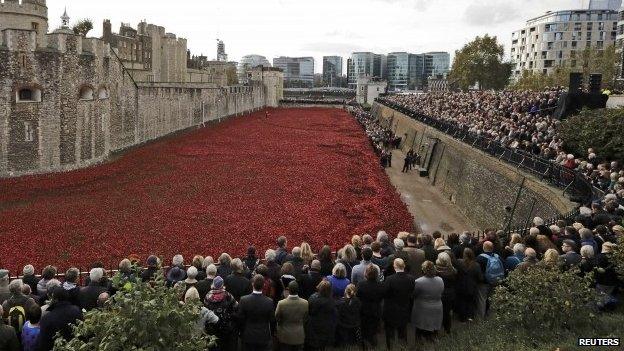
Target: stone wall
x,y
479,184
87,105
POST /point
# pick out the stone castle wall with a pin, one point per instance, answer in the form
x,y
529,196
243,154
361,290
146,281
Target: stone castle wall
x,y
68,129
479,184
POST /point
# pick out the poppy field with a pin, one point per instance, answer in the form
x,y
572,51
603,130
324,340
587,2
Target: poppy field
x,y
309,174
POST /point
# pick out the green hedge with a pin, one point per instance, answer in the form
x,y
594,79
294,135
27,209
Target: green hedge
x,y
601,129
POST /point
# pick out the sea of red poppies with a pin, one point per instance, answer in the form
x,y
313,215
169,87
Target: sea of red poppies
x,y
309,174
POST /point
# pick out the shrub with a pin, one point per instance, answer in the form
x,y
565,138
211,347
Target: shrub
x,y
618,258
601,129
544,302
144,317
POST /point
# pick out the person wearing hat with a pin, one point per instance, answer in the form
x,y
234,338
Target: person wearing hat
x,y
606,276
4,285
175,274
223,304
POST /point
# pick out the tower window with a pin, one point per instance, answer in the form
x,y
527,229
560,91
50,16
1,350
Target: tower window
x,y
86,93
28,95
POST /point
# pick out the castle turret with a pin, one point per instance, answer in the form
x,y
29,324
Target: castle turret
x,y
27,15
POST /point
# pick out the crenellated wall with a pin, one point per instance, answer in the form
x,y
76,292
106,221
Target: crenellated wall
x,y
86,105
479,184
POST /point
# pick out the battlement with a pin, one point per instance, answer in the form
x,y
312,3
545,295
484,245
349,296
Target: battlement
x,y
24,40
26,7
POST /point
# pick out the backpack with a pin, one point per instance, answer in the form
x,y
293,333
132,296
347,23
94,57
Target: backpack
x,y
225,311
494,271
17,318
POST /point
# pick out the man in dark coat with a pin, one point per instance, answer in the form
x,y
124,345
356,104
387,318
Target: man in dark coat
x,y
396,313
297,261
149,273
308,282
255,313
89,294
236,283
281,253
8,337
59,318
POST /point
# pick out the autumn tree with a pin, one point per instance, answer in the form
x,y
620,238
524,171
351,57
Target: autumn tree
x,y
480,63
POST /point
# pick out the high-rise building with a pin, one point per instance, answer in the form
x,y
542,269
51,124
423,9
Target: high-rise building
x,y
365,64
221,55
438,63
402,71
298,71
247,63
557,38
332,71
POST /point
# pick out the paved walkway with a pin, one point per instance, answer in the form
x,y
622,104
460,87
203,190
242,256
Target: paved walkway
x,y
431,210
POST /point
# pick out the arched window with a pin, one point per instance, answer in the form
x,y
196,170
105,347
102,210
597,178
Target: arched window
x,y
103,93
86,93
28,94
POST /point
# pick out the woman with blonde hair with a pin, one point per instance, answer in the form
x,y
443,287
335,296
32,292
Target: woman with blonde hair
x,y
551,258
348,328
357,243
348,258
446,271
306,253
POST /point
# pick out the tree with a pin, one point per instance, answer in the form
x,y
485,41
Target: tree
x,y
600,129
481,62
141,316
83,27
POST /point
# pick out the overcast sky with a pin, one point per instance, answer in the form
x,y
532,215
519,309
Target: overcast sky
x,y
316,27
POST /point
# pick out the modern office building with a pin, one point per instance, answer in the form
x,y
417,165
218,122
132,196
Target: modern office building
x,y
332,71
247,63
619,48
402,71
437,63
298,71
557,38
365,64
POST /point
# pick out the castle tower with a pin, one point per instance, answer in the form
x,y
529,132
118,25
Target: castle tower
x,y
28,15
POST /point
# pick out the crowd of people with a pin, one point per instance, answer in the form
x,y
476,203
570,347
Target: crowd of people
x,y
521,120
382,138
294,299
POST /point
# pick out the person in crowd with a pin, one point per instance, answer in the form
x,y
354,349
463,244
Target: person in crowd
x,y
309,281
49,272
427,246
398,295
31,330
52,283
255,311
378,259
321,326
465,241
16,305
448,273
275,273
175,275
149,273
493,273
348,258
223,304
203,286
190,281
198,263
358,272
357,243
281,253
530,260
327,263
4,285
512,261
102,300
588,261
297,261
551,258
8,336
60,317
306,253
587,238
387,248
470,277
251,260
367,241
348,327
29,277
224,268
71,285
569,257
427,313
399,245
606,276
415,257
236,283
89,294
338,280
291,315
287,276
371,293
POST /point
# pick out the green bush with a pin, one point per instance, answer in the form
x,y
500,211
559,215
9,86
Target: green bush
x,y
141,317
601,129
544,302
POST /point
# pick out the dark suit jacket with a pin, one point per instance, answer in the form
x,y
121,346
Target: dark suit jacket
x,y
59,318
371,293
237,285
89,294
308,283
255,313
399,290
